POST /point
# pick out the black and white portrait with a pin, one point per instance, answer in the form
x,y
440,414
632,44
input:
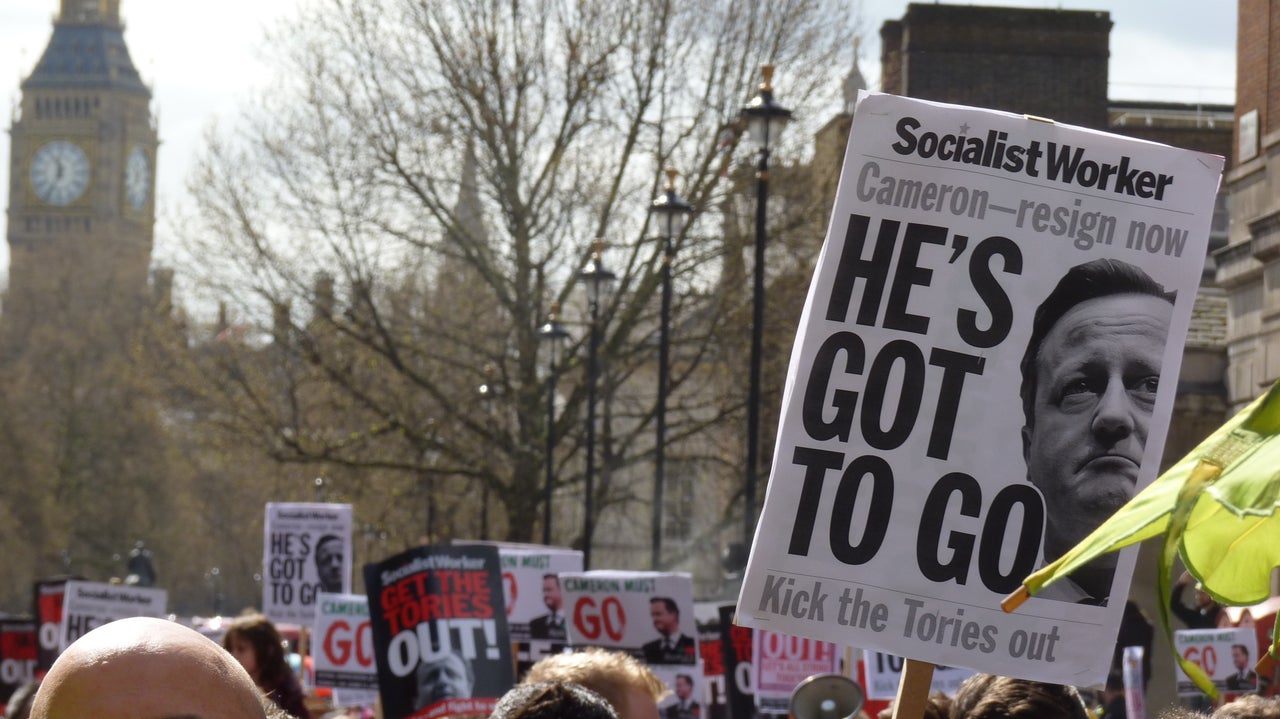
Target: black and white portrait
x,y
449,676
551,624
685,706
329,560
1089,380
1243,678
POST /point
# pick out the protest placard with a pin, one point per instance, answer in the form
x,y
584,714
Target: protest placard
x,y
342,649
1227,656
884,671
782,661
88,605
736,648
17,655
536,612
649,615
440,636
306,550
49,595
920,462
711,651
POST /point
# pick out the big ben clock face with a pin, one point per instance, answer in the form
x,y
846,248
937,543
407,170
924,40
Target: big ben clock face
x,y
60,172
137,178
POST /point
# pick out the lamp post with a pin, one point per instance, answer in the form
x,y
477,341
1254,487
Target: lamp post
x,y
671,211
554,335
597,277
488,393
765,120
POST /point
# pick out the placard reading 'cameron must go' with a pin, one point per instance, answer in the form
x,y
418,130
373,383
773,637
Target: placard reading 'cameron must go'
x,y
649,615
984,371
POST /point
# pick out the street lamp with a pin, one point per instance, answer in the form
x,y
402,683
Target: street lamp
x,y
488,392
598,278
554,335
671,211
765,120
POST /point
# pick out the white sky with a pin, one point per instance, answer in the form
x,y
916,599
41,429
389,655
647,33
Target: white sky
x,y
201,61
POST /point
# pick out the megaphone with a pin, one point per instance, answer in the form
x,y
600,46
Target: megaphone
x,y
827,696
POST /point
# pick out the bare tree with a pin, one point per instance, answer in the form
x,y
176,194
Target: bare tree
x,y
421,184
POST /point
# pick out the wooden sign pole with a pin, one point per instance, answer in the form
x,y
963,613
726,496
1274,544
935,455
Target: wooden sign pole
x,y
913,690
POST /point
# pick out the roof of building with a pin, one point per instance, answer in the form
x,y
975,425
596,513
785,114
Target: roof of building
x,y
1005,17
1147,112
86,52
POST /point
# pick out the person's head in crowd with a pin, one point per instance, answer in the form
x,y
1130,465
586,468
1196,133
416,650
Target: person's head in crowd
x,y
146,668
1240,656
551,594
684,686
1249,706
328,558
19,705
1089,379
665,615
552,700
256,643
449,676
936,706
987,696
1181,712
628,685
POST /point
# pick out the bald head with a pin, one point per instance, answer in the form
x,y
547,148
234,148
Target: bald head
x,y
146,668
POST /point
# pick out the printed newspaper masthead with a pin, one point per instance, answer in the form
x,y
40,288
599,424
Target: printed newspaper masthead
x,y
984,371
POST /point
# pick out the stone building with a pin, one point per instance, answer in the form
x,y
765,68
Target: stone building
x,y
82,178
1248,270
1054,64
86,471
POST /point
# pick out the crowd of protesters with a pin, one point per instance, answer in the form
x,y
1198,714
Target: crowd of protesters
x,y
146,667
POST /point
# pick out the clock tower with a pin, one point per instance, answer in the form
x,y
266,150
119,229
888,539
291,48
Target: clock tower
x,y
81,182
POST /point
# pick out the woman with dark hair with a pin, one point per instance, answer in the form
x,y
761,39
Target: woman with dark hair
x,y
254,641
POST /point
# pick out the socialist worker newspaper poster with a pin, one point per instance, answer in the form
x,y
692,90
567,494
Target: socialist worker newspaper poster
x,y
1226,655
736,646
715,705
782,661
88,605
984,371
440,636
536,613
17,655
306,550
884,673
48,596
649,615
342,649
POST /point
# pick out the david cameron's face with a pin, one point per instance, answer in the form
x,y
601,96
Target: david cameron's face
x,y
1096,378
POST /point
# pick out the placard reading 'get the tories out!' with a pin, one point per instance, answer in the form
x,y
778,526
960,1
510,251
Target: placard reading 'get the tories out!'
x,y
984,371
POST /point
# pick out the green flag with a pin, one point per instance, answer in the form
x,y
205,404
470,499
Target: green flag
x,y
1216,507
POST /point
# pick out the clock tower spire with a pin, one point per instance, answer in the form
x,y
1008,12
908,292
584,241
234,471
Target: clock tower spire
x,y
82,177
90,11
